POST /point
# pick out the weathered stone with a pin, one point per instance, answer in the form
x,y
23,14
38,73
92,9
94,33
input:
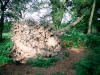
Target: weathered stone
x,y
31,38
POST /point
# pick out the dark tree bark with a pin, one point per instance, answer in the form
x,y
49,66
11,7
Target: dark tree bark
x,y
3,8
1,22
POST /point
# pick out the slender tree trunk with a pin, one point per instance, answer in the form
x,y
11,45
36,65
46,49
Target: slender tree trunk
x,y
90,21
1,22
3,6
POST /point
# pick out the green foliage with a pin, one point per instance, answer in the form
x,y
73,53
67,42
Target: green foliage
x,y
5,48
15,8
82,26
57,12
59,73
83,1
62,25
75,39
67,53
93,42
96,25
97,71
90,63
41,61
2,70
7,27
4,60
38,73
79,1
7,35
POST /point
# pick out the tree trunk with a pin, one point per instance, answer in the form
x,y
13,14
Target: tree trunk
x,y
1,22
90,21
3,6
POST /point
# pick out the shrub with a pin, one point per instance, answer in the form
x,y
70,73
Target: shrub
x,y
5,48
75,40
7,27
90,63
41,61
93,42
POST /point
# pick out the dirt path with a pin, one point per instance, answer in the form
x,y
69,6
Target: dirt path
x,y
64,65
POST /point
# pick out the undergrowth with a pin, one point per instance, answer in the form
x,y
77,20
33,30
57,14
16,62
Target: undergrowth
x,y
75,40
90,63
43,62
5,48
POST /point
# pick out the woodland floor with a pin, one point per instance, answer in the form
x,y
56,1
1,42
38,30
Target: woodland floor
x,y
64,65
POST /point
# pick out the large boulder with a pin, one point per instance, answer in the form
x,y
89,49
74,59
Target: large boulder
x,y
31,38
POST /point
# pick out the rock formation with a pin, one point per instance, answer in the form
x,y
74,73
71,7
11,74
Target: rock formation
x,y
31,38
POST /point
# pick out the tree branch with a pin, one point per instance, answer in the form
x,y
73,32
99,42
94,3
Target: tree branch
x,y
61,31
6,2
3,5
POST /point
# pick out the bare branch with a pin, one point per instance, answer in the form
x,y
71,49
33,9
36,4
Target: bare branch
x,y
60,32
6,2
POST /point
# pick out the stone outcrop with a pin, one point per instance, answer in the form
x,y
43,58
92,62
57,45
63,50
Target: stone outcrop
x,y
31,38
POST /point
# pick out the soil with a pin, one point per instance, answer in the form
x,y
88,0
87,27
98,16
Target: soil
x,y
65,65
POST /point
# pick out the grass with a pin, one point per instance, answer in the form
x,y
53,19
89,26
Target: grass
x,y
7,35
